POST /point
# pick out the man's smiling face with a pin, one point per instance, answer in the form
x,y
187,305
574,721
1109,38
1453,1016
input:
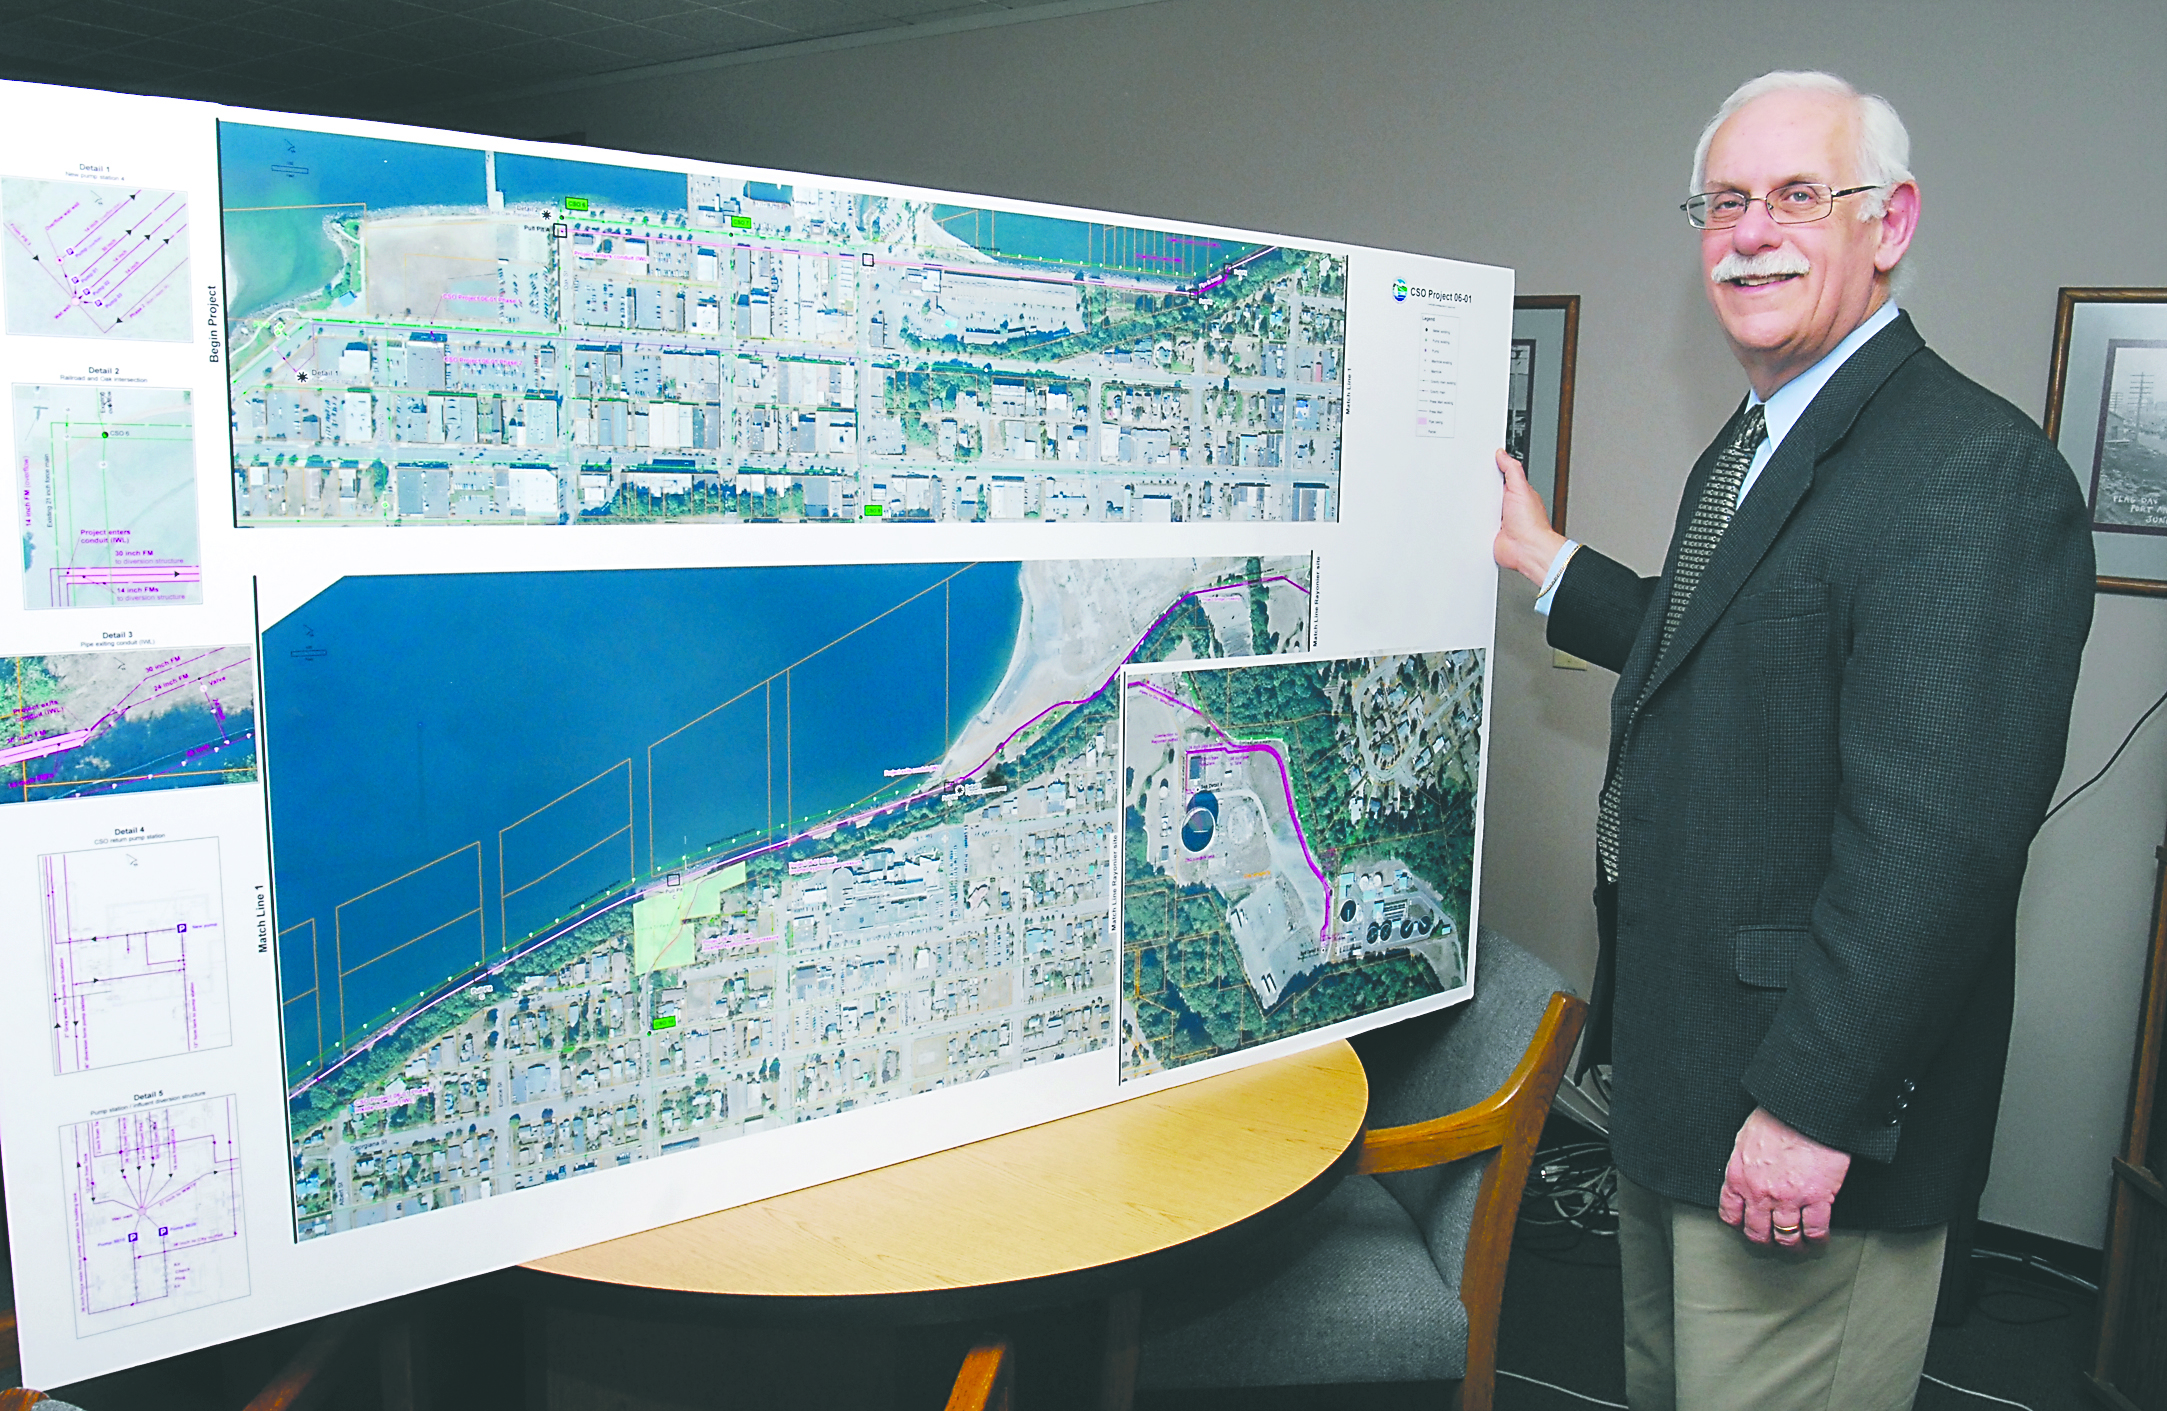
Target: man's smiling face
x,y
1787,294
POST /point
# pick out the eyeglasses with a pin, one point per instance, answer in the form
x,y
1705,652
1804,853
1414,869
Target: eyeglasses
x,y
1795,204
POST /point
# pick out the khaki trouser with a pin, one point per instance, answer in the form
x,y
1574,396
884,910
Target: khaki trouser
x,y
1713,1321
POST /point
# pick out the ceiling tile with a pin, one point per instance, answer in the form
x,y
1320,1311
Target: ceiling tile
x,y
53,29
718,32
379,56
375,15
813,19
32,58
448,38
122,22
196,58
540,19
549,58
634,11
233,42
320,24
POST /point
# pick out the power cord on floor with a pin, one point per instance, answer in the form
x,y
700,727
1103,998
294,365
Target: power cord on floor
x,y
1568,1391
1572,1186
2001,1400
2034,1262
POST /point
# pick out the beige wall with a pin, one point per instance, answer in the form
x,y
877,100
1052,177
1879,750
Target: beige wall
x,y
1554,136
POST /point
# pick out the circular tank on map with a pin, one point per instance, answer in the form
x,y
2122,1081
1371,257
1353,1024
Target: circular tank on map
x,y
1202,822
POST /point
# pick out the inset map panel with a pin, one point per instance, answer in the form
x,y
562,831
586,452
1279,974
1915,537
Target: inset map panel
x,y
106,482
154,1212
135,952
718,893
79,723
1298,845
82,260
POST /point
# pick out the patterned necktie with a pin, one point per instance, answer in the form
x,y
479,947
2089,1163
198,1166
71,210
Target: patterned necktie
x,y
1718,502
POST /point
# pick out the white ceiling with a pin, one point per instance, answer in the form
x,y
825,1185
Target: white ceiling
x,y
390,58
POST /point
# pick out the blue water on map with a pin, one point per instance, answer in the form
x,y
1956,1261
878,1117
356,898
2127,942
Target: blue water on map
x,y
174,749
278,183
551,179
1090,245
457,762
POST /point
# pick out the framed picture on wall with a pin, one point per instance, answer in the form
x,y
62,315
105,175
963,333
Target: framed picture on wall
x,y
2107,411
1539,406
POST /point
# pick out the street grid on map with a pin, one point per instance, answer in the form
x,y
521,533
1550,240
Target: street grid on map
x,y
73,724
775,353
86,260
958,931
106,481
1298,846
135,957
153,1212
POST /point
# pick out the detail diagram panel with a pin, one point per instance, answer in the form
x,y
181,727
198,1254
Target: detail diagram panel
x,y
135,952
94,261
74,725
1297,843
682,884
106,481
428,334
154,1211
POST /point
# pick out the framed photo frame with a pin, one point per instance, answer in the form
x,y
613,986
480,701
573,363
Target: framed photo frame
x,y
2107,412
1539,406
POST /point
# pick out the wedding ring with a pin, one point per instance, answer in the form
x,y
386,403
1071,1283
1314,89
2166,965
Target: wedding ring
x,y
1786,1229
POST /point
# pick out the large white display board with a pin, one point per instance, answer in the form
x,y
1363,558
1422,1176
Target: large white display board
x,y
554,691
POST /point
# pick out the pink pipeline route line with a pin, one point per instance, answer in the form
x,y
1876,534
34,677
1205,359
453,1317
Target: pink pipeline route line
x,y
393,1025
51,744
1286,779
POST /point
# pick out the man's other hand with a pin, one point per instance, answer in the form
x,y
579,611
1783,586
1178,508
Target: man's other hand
x,y
1780,1183
1525,541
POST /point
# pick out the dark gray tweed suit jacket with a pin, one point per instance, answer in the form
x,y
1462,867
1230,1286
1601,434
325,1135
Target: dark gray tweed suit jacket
x,y
1830,781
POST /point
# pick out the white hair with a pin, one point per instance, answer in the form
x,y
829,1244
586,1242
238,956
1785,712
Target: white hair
x,y
1884,147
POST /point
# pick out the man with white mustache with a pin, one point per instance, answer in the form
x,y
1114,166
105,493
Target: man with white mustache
x,y
1840,711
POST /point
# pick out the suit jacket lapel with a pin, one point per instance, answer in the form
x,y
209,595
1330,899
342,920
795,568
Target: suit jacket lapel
x,y
1782,484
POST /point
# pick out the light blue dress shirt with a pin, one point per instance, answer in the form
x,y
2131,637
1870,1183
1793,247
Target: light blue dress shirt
x,y
1783,411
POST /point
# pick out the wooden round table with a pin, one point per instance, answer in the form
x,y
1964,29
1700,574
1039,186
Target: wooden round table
x,y
1087,1206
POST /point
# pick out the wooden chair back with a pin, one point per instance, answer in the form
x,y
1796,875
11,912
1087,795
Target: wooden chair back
x,y
986,1380
1504,1129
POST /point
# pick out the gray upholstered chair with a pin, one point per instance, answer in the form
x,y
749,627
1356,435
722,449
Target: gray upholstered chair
x,y
1397,1276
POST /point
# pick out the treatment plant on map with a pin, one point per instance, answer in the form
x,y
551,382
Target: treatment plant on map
x,y
439,334
82,723
684,886
1298,844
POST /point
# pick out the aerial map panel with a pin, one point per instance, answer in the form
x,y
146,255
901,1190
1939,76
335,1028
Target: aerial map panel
x,y
678,885
1297,845
453,336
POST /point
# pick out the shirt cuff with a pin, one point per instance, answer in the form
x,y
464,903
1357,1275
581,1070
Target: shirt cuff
x,y
1555,576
